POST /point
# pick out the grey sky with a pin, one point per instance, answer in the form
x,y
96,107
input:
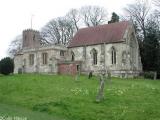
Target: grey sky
x,y
16,14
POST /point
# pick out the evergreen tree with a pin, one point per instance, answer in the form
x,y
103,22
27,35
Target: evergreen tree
x,y
151,48
114,18
6,66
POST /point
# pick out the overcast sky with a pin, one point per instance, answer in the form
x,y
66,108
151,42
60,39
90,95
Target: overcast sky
x,y
16,14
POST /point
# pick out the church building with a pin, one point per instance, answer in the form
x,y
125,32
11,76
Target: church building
x,y
115,44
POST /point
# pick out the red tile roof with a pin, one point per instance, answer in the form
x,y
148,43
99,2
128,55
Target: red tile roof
x,y
108,33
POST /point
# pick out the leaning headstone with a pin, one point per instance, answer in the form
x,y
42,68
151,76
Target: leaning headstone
x,y
77,73
109,75
77,76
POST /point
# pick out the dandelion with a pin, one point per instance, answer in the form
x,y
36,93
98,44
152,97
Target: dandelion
x,y
120,92
78,91
132,85
86,92
153,88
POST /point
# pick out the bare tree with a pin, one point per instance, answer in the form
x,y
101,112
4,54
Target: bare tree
x,y
58,31
138,12
93,15
155,16
15,46
62,29
67,29
50,32
157,3
74,16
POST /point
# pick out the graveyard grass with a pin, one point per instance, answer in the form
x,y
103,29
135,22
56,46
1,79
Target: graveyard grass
x,y
57,97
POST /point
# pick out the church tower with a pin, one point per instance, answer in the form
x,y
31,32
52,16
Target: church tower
x,y
31,38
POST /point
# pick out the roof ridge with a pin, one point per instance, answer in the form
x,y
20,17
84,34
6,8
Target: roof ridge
x,y
98,26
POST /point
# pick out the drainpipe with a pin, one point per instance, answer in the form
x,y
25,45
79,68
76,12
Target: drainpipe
x,y
37,59
104,55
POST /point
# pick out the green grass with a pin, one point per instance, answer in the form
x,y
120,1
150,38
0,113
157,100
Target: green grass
x,y
12,111
61,97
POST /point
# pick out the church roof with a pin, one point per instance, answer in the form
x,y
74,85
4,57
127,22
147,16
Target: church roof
x,y
108,33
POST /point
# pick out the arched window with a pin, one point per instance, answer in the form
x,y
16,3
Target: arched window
x,y
113,52
72,56
94,56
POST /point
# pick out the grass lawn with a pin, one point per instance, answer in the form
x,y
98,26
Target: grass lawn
x,y
46,97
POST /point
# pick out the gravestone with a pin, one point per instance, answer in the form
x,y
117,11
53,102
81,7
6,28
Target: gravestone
x,y
90,75
19,70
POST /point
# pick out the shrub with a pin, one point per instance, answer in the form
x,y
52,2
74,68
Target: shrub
x,y
6,66
149,75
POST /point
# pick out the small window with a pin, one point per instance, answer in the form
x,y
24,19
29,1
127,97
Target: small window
x,y
78,67
44,58
61,53
31,59
72,56
113,55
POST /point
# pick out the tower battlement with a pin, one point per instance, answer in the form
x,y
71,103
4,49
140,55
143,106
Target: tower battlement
x,y
30,30
31,38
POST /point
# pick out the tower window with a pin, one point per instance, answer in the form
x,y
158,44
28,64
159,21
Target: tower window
x,y
34,37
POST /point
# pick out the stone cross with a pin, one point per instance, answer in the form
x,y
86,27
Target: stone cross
x,y
102,73
100,95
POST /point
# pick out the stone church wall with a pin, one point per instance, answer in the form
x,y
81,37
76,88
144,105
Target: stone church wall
x,y
117,69
53,56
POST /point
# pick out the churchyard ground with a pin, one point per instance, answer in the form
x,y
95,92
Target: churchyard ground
x,y
60,97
